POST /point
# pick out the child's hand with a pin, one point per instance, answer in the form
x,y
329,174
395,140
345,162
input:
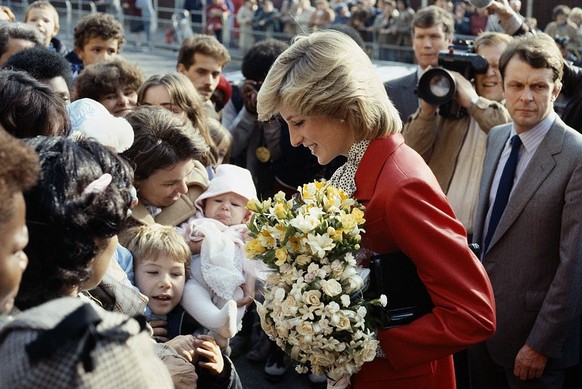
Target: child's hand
x,y
195,246
209,354
160,331
184,346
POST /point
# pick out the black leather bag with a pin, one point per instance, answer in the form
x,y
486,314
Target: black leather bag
x,y
395,276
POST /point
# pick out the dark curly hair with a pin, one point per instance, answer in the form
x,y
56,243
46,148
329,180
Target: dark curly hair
x,y
100,79
66,225
41,63
259,59
99,25
18,171
28,107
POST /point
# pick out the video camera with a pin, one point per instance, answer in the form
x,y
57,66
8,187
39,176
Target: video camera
x,y
437,85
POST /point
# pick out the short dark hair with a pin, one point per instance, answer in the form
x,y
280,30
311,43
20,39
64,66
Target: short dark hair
x,y
17,30
18,172
161,140
202,44
539,51
28,107
260,57
431,16
67,225
100,79
41,63
100,25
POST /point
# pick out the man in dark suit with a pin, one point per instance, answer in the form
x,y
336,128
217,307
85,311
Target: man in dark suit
x,y
432,31
531,247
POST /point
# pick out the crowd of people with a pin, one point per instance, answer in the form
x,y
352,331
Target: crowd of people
x,y
123,212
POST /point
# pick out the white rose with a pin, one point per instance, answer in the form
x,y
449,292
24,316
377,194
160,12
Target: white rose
x,y
331,287
305,328
343,322
312,297
289,306
355,283
367,353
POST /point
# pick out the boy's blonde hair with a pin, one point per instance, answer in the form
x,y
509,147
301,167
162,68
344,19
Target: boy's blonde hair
x,y
42,4
155,240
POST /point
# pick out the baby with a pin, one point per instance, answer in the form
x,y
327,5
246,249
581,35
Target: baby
x,y
219,267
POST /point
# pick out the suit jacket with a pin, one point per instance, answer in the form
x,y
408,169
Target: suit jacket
x,y
534,258
401,93
407,211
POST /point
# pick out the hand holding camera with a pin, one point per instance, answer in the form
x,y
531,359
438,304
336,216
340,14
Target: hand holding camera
x,y
438,86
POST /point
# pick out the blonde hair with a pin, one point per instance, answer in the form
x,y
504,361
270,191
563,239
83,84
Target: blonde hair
x,y
42,4
153,241
221,137
326,74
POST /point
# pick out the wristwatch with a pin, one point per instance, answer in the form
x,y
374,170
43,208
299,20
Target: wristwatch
x,y
474,100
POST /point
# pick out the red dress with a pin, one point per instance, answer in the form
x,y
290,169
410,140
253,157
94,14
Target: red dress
x,y
407,211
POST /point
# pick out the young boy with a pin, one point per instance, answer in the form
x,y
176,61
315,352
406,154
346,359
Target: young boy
x,y
45,19
97,38
161,262
214,293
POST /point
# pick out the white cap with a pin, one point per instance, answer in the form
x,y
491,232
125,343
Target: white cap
x,y
229,178
91,119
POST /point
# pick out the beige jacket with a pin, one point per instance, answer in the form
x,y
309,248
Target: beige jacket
x,y
181,209
439,140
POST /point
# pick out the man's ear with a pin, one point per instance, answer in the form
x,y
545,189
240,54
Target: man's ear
x,y
557,89
181,68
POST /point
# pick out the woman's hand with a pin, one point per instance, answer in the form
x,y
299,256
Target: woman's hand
x,y
160,331
209,354
184,346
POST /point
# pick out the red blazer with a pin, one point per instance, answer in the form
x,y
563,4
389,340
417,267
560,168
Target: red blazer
x,y
407,211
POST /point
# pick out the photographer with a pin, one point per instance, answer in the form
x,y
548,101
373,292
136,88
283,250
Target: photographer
x,y
454,147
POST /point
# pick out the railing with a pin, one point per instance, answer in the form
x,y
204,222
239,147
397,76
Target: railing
x,y
168,26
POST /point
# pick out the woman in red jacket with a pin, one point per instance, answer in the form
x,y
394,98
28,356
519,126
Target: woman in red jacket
x,y
325,88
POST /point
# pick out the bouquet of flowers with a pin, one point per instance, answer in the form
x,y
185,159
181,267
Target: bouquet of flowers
x,y
314,308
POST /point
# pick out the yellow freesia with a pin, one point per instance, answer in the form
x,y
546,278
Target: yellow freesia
x,y
281,255
254,247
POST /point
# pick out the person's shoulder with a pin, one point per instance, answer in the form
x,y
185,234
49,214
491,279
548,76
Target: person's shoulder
x,y
406,80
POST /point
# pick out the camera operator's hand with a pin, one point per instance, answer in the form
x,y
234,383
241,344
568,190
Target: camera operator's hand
x,y
249,95
500,7
509,20
465,90
426,108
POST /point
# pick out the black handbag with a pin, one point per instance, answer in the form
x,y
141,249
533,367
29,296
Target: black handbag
x,y
395,276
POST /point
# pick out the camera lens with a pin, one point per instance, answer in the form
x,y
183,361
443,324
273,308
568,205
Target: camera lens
x,y
436,86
